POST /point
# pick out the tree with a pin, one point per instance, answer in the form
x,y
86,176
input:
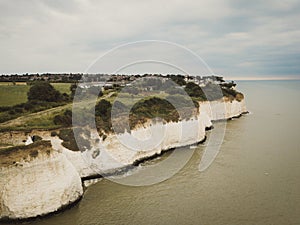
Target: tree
x,y
194,90
103,109
43,91
73,88
178,79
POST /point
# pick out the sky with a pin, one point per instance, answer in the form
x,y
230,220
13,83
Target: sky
x,y
239,39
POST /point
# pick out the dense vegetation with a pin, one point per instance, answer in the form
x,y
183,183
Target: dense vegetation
x,y
69,141
141,111
178,79
152,108
44,91
64,119
103,116
194,90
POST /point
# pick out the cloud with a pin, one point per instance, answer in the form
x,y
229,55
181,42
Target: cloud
x,y
235,37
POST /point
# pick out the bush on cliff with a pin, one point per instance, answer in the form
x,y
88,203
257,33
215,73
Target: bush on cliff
x,y
44,91
103,109
103,115
152,108
65,119
178,79
69,140
194,90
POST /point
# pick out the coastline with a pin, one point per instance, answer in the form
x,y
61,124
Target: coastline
x,y
120,170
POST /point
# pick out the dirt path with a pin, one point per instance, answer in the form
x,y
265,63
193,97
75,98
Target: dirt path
x,y
22,119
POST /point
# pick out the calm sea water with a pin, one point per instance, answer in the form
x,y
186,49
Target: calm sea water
x,y
255,179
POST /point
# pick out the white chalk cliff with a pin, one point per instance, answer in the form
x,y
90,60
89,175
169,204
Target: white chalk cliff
x,y
36,180
48,177
121,150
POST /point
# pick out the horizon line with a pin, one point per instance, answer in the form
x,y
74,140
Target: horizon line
x,y
263,79
229,78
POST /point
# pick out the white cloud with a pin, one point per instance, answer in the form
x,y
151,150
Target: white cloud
x,y
52,35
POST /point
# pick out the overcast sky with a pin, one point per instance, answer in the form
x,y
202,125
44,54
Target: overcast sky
x,y
236,38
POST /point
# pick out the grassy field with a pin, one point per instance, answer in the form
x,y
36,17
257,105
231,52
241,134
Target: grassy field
x,y
43,119
62,87
14,94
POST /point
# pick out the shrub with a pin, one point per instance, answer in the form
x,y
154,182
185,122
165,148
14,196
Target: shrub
x,y
103,109
44,91
36,138
229,92
69,141
12,112
4,108
64,120
68,138
178,79
151,108
53,133
73,88
29,106
194,90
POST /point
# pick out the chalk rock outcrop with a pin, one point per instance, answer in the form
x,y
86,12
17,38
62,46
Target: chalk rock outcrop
x,y
121,150
36,180
223,109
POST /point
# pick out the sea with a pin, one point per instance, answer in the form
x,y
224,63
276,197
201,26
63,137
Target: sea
x,y
254,180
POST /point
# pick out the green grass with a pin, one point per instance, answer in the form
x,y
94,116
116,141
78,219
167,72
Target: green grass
x,y
42,119
62,87
12,94
15,94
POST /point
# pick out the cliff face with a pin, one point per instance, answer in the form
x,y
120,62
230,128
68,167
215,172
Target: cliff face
x,y
124,149
119,150
36,180
41,178
220,110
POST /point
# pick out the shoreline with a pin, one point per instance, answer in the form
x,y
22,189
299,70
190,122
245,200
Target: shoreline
x,y
119,171
135,160
123,170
